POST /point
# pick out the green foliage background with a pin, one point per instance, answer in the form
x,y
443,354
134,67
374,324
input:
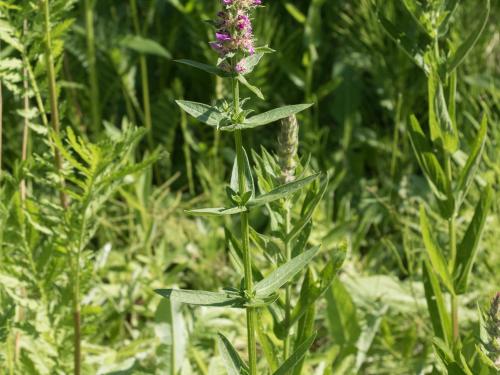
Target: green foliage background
x,y
333,53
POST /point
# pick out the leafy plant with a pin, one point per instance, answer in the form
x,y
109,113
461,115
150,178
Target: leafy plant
x,y
238,57
430,47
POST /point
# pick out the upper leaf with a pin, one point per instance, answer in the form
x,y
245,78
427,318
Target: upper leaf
x,y
471,41
205,67
268,117
203,112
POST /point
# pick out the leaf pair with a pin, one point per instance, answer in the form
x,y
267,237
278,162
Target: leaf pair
x,y
274,195
213,117
263,292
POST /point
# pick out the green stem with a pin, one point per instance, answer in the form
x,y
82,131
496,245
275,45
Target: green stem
x,y
395,136
288,290
247,260
1,127
58,160
24,148
453,256
91,58
148,123
51,76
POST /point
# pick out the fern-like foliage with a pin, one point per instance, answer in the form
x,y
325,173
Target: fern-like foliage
x,y
46,249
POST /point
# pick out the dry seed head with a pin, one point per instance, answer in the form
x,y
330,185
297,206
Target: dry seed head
x,y
493,328
288,140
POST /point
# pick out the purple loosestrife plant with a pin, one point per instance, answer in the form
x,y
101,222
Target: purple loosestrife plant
x,y
238,55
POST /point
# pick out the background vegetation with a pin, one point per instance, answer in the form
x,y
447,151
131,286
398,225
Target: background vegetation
x,y
113,69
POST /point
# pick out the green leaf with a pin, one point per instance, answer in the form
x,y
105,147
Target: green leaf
x,y
283,274
203,112
467,249
252,61
471,166
311,291
450,7
203,298
436,306
295,12
288,366
145,46
232,361
434,252
443,129
268,117
252,88
471,41
282,191
306,216
412,40
434,173
249,184
219,211
367,336
268,347
205,67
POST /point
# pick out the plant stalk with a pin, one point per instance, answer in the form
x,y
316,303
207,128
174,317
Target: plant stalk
x,y
288,290
51,76
148,123
91,58
1,127
247,259
24,150
453,256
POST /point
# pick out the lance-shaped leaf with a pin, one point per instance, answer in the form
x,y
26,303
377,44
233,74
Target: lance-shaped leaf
x,y
467,249
440,319
203,112
434,173
218,211
306,216
411,40
471,40
205,67
469,171
312,290
288,366
449,8
268,117
283,274
443,129
283,191
145,46
203,298
249,184
232,361
251,87
434,252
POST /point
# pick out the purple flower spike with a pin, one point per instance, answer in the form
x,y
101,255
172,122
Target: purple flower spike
x,y
234,33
